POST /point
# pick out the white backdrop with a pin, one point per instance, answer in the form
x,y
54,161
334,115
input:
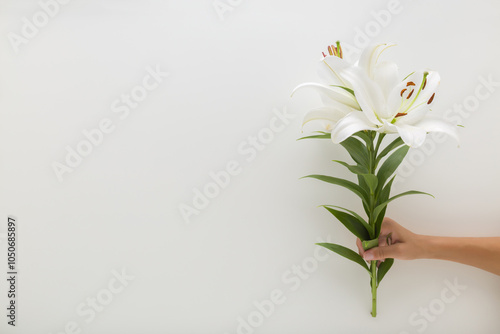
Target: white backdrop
x,y
178,92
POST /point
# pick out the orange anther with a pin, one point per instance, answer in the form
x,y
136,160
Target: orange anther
x,y
432,98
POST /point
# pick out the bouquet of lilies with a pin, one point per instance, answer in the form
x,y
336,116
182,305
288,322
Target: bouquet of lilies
x,y
362,103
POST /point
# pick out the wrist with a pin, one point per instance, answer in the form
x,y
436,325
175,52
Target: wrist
x,y
427,245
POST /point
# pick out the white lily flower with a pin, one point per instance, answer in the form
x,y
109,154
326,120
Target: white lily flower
x,y
336,92
386,104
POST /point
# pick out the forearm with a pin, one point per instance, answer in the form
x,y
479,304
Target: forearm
x,y
483,253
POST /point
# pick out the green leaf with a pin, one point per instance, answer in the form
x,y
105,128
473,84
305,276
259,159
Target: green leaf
x,y
343,183
352,223
321,136
391,164
379,141
372,181
383,269
365,224
363,185
364,136
383,196
380,207
347,253
356,169
357,151
379,220
386,191
394,144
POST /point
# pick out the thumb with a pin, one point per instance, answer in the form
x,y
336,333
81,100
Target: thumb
x,y
384,252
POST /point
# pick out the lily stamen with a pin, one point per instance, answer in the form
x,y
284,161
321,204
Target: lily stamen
x,y
424,79
432,98
334,51
339,49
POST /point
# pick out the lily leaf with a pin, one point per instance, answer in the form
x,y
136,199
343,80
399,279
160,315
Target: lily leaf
x,y
363,135
386,191
394,144
380,207
372,182
347,253
383,196
362,183
343,183
379,220
356,169
326,135
391,164
363,221
357,151
383,269
352,223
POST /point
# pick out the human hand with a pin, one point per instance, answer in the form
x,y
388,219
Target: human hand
x,y
395,242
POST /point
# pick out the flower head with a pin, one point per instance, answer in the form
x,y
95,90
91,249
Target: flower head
x,y
370,96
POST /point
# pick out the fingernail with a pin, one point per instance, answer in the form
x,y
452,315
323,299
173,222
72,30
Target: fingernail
x,y
368,256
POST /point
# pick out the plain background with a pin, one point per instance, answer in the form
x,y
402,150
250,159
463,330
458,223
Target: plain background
x,y
119,209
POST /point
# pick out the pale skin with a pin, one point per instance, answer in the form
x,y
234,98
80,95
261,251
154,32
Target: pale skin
x,y
397,242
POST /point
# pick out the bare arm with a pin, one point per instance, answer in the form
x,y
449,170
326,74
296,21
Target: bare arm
x,y
399,243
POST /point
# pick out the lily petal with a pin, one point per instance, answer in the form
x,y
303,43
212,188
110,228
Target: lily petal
x,y
415,107
434,124
386,75
325,113
335,93
416,115
395,101
370,56
413,136
350,124
330,68
387,127
431,87
367,92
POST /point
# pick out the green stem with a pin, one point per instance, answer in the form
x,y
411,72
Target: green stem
x,y
372,243
368,244
373,268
